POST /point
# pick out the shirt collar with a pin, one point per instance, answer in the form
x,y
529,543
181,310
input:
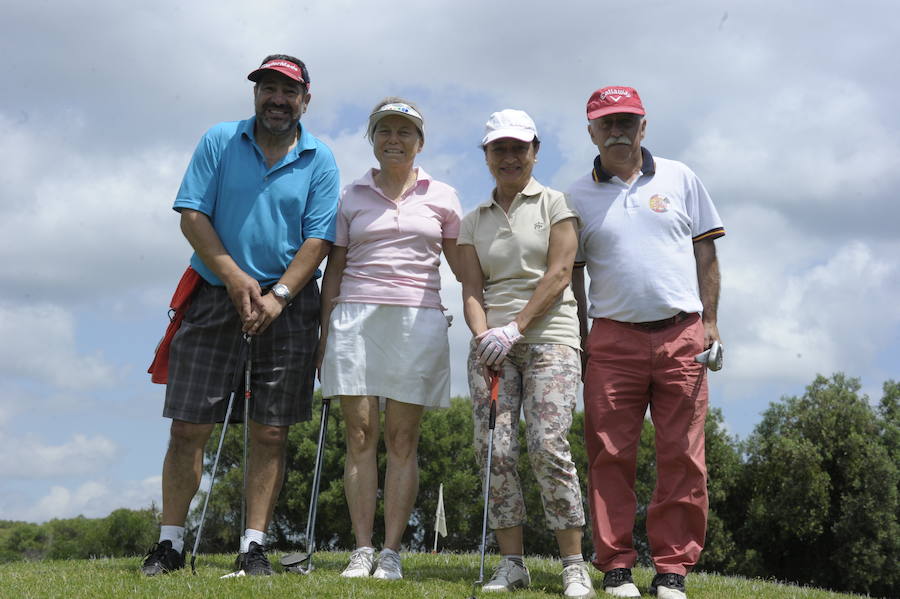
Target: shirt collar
x,y
648,167
305,142
368,180
531,189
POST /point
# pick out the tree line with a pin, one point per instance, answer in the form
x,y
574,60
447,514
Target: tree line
x,y
811,496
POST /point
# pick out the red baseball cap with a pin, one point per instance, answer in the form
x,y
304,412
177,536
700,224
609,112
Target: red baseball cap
x,y
613,99
285,67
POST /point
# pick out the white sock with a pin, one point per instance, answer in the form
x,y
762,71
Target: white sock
x,y
252,536
571,560
366,549
388,551
517,559
174,534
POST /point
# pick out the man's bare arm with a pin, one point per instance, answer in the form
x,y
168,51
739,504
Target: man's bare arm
x,y
709,283
243,289
299,272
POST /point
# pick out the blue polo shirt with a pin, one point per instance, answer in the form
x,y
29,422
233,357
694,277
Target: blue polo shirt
x,y
262,215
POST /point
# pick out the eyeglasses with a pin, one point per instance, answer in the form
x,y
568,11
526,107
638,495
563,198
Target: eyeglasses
x,y
623,122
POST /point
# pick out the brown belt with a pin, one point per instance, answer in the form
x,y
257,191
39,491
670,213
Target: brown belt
x,y
656,325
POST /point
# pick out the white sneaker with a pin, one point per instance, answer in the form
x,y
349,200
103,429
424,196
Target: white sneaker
x,y
388,567
508,576
577,582
618,583
668,586
361,563
664,592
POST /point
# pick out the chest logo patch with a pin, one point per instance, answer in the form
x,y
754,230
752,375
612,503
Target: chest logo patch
x,y
659,203
539,225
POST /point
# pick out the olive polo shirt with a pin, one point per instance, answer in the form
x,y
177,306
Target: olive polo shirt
x,y
512,248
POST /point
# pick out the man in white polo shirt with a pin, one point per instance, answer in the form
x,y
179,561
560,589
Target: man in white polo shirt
x,y
647,241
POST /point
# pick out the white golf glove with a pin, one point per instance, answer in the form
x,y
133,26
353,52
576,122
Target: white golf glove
x,y
495,343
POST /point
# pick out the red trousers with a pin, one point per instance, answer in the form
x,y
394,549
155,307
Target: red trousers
x,y
629,369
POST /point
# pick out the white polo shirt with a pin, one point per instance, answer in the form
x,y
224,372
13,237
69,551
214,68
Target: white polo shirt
x,y
637,240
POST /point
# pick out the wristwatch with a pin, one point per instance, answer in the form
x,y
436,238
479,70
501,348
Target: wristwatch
x,y
282,291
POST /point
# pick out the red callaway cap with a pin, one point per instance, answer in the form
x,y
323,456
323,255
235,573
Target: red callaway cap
x,y
613,99
286,68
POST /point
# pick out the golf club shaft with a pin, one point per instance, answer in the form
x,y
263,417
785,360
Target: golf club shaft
x,y
487,490
212,480
492,421
247,366
317,476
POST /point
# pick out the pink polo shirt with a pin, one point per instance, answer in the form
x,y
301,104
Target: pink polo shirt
x,y
394,248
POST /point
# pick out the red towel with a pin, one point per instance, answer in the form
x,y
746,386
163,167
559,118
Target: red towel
x,y
181,301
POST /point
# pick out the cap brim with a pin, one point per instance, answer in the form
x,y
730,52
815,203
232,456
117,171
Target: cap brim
x,y
377,116
256,75
514,133
596,114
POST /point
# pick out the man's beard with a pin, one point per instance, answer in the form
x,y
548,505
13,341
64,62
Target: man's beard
x,y
281,127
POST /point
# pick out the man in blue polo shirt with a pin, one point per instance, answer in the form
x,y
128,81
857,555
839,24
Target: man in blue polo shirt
x,y
257,204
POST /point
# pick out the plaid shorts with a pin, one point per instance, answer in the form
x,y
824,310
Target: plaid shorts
x,y
205,353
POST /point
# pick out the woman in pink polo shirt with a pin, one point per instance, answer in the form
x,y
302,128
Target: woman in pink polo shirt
x,y
384,333
516,254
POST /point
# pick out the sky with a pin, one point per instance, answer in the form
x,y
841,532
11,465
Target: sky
x,y
786,111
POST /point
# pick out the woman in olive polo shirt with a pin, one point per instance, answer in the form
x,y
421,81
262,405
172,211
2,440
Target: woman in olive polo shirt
x,y
516,254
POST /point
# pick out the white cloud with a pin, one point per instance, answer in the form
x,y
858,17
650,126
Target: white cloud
x,y
92,226
92,499
791,320
29,457
45,350
810,145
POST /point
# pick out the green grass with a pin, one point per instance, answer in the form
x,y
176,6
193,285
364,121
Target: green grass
x,y
442,575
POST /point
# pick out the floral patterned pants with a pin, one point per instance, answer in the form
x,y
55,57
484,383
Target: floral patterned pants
x,y
540,381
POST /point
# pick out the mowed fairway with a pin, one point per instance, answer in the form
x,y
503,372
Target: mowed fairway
x,y
443,575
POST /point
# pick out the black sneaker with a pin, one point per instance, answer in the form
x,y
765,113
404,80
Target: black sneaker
x,y
619,583
254,562
668,585
161,558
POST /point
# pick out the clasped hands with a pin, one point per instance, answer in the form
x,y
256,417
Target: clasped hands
x,y
495,343
257,311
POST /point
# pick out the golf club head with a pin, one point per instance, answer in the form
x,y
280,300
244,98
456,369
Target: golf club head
x,y
298,563
234,574
713,357
301,569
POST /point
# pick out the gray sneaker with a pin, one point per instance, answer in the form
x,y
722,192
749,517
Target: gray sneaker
x,y
362,561
508,576
388,567
577,582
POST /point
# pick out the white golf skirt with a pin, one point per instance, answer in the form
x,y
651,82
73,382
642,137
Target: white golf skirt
x,y
395,352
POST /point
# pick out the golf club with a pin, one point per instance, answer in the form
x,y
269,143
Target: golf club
x,y
243,356
238,570
492,419
301,562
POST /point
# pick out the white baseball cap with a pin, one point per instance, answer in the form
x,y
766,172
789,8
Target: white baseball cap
x,y
509,123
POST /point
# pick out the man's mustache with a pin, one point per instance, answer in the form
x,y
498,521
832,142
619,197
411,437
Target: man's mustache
x,y
622,139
